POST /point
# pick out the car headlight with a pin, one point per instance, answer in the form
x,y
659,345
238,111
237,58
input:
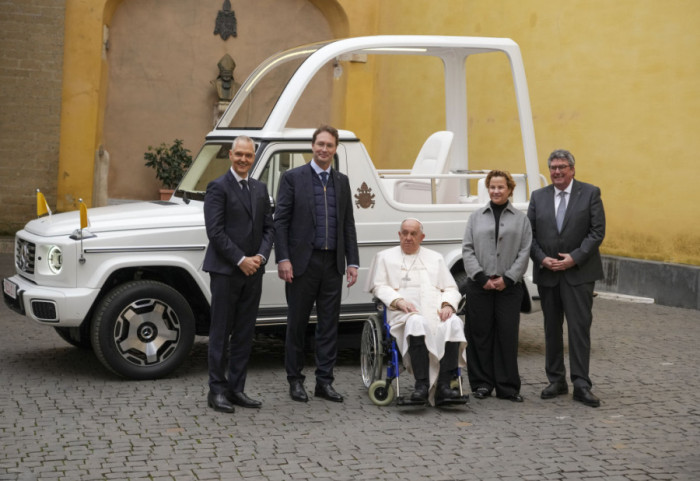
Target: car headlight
x,y
55,259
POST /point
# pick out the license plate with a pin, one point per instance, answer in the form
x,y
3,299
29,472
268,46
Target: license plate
x,y
9,288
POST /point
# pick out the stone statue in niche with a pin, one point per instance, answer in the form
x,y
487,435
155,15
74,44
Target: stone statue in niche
x,y
226,22
226,86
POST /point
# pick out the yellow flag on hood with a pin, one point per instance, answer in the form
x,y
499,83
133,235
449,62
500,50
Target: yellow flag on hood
x,y
42,207
83,215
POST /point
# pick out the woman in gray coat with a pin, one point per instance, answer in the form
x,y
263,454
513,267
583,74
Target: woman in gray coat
x,y
495,251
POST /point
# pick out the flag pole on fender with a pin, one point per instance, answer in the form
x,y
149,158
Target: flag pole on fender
x,y
84,222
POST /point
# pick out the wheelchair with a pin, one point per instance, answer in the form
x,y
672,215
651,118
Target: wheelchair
x,y
377,345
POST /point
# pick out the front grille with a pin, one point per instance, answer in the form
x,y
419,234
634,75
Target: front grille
x,y
25,253
44,310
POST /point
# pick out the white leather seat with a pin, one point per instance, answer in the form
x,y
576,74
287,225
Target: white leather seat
x,y
432,159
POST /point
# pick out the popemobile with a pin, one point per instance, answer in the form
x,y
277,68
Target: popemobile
x,y
127,281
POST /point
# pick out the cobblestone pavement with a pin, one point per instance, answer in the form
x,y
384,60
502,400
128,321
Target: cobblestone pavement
x,y
64,417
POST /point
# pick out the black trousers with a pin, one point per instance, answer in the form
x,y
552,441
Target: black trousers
x,y
320,284
234,308
420,361
576,303
492,328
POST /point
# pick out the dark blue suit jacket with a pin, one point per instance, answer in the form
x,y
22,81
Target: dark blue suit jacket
x,y
295,220
582,233
233,230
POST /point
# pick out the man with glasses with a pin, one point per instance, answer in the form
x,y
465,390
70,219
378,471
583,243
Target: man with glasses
x,y
568,226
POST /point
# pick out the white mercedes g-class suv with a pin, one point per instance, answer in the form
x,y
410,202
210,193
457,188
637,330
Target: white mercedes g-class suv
x,y
131,285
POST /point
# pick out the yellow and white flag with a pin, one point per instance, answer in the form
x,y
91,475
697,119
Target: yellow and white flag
x,y
42,207
83,215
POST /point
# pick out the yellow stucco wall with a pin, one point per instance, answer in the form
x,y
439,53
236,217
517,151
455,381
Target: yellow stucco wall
x,y
614,82
82,105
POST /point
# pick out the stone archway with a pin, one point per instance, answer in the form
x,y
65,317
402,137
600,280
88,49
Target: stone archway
x,y
162,61
86,80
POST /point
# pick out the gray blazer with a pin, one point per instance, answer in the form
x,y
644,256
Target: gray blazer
x,y
582,233
507,258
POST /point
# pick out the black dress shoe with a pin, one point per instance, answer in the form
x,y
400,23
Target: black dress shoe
x,y
585,396
554,389
481,393
242,399
516,398
218,402
326,391
420,393
297,391
443,393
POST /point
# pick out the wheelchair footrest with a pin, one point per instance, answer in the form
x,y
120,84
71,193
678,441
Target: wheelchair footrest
x,y
407,401
452,401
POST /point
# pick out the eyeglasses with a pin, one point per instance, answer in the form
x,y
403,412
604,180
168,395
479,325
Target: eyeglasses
x,y
563,167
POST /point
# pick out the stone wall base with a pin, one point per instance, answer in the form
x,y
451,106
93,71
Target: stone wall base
x,y
674,285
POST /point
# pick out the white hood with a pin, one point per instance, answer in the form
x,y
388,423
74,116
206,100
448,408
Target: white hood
x,y
129,216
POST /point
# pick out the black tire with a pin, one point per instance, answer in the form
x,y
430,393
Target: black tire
x,y
371,350
461,280
143,330
76,336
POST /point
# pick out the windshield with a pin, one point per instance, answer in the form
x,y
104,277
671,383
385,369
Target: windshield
x,y
211,163
257,97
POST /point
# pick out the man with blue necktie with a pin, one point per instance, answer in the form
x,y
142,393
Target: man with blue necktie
x,y
314,238
568,226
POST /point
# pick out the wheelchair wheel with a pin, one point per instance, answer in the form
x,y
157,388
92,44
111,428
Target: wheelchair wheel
x,y
371,350
381,394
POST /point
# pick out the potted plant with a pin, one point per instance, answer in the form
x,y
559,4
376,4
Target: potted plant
x,y
170,162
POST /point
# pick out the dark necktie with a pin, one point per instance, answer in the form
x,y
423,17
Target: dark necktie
x,y
246,194
324,178
561,210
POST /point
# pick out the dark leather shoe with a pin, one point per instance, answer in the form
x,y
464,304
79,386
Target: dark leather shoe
x,y
516,398
218,402
420,394
554,389
242,399
297,391
326,391
585,396
444,392
481,393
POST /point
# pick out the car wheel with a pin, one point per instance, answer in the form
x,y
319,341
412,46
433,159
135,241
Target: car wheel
x,y
461,279
143,330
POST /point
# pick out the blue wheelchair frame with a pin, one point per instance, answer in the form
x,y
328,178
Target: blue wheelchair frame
x,y
380,391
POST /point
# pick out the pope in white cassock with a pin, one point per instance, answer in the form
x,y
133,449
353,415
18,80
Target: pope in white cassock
x,y
423,298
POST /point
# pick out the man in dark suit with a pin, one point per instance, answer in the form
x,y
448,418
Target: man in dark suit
x,y
241,231
314,236
568,226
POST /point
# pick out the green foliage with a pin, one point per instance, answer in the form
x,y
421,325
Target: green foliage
x,y
170,162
